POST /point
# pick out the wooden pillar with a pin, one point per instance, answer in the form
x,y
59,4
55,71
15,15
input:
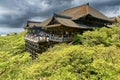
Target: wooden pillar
x,y
62,34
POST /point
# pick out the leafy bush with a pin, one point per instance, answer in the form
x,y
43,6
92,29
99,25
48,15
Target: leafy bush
x,y
12,44
97,59
103,36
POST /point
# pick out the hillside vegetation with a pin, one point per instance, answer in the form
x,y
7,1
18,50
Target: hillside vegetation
x,y
94,55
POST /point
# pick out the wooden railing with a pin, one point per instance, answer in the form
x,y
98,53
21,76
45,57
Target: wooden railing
x,y
50,38
60,39
37,39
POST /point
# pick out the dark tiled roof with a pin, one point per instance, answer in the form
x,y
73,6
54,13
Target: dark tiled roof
x,y
65,22
83,10
31,24
68,16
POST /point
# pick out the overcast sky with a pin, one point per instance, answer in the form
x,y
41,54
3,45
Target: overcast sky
x,y
15,13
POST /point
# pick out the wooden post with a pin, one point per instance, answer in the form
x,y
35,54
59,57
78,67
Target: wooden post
x,y
62,34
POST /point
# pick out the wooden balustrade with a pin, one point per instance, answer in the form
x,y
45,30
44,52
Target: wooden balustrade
x,y
60,39
37,39
50,38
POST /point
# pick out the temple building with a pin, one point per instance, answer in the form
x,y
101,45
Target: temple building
x,y
61,27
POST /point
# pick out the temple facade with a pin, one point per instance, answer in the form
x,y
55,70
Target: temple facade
x,y
61,27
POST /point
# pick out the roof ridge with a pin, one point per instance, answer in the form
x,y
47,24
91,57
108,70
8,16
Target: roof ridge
x,y
61,16
33,22
87,9
75,7
98,11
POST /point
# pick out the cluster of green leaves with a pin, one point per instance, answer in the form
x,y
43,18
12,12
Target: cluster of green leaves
x,y
12,44
118,21
98,58
104,36
12,57
75,62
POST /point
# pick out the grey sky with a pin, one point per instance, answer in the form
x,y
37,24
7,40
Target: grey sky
x,y
15,13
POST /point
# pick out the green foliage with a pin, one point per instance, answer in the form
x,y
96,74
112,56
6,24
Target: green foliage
x,y
12,57
103,36
98,58
12,44
118,19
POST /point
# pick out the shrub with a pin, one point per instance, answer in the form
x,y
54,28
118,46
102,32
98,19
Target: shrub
x,y
103,36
